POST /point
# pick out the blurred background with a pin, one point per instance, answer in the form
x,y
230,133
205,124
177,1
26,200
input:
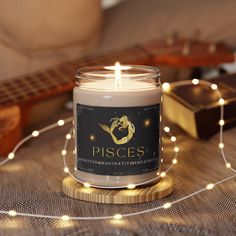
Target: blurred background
x,y
39,34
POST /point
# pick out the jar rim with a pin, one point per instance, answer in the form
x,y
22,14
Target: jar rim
x,y
108,72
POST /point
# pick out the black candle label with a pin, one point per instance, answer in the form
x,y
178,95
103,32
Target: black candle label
x,y
118,140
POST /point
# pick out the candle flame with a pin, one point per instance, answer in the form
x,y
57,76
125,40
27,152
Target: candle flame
x,y
117,68
117,71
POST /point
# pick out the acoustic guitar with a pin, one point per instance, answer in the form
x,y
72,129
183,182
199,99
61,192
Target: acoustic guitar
x,y
18,95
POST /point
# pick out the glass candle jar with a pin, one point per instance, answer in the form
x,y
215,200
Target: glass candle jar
x,y
117,115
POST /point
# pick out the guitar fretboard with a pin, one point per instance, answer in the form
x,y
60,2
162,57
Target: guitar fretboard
x,y
61,78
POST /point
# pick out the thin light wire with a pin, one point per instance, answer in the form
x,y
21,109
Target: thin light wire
x,y
166,205
123,215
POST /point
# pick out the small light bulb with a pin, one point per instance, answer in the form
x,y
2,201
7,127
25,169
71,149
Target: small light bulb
x,y
167,129
210,186
158,173
221,145
12,213
173,138
221,122
228,165
61,122
87,185
35,133
221,101
163,174
195,81
214,87
131,186
11,155
167,205
162,160
176,149
65,217
92,137
174,161
117,216
68,136
166,87
66,169
63,152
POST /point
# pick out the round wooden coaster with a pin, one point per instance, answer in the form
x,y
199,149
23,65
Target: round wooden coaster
x,y
76,190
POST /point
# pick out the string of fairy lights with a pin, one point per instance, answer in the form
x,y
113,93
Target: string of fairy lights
x,y
166,87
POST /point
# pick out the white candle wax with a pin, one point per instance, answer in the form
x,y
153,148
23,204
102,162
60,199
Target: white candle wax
x,y
127,92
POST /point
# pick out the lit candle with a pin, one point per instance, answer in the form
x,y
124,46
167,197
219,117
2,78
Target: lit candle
x,y
117,112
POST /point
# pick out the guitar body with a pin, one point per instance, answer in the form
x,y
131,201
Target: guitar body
x,y
10,128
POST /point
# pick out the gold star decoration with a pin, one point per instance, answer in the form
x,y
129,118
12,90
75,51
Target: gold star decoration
x,y
92,137
147,122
